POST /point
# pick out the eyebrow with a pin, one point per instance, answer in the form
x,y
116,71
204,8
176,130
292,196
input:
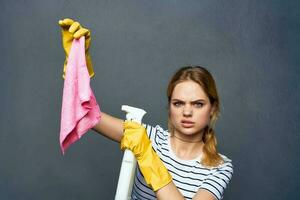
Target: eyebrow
x,y
202,100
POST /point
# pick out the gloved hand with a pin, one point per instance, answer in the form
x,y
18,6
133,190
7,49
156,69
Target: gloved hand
x,y
73,30
135,139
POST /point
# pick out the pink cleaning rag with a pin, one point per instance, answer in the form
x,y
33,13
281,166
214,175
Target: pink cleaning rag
x,y
80,111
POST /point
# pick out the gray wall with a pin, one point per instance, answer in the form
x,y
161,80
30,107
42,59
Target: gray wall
x,y
250,46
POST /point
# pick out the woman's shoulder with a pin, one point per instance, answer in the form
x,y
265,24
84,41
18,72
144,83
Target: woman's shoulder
x,y
225,159
219,177
158,129
226,164
157,134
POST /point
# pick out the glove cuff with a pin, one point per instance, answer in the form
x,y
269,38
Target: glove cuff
x,y
153,169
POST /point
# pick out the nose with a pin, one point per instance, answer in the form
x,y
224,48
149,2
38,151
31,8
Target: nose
x,y
187,111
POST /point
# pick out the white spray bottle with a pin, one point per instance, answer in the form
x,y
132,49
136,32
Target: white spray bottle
x,y
126,177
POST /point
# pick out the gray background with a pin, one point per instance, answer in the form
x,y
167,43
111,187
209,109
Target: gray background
x,y
250,46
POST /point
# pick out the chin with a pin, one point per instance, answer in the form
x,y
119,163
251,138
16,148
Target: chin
x,y
188,131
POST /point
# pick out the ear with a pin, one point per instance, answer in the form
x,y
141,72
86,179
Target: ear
x,y
213,109
168,109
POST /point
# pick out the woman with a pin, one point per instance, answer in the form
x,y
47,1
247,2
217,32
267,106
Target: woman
x,y
179,163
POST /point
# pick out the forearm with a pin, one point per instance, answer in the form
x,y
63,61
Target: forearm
x,y
110,127
170,191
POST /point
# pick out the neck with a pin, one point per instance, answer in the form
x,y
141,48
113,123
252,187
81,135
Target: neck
x,y
187,140
186,148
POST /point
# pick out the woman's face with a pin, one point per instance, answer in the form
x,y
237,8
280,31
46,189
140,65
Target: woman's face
x,y
190,110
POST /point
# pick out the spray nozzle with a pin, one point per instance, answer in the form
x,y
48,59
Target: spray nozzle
x,y
134,114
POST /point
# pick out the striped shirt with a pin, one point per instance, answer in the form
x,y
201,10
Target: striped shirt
x,y
188,175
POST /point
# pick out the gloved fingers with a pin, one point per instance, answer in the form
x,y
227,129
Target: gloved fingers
x,y
74,27
65,23
125,143
82,32
130,136
131,125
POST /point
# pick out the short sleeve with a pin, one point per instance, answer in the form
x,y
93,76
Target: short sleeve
x,y
218,180
157,135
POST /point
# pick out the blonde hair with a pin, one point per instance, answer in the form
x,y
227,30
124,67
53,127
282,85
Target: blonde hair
x,y
202,76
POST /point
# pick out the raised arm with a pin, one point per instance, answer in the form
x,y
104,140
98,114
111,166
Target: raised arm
x,y
108,126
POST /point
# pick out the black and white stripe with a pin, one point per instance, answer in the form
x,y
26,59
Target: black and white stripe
x,y
188,175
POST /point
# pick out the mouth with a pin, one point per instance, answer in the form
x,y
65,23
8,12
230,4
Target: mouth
x,y
187,123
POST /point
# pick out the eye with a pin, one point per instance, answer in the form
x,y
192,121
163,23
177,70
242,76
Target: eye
x,y
198,104
177,103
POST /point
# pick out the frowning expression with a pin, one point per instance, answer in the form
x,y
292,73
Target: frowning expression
x,y
189,109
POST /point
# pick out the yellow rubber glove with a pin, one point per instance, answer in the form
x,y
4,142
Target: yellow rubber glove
x,y
136,139
73,30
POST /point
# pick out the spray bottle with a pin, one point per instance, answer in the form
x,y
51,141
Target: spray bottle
x,y
126,177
